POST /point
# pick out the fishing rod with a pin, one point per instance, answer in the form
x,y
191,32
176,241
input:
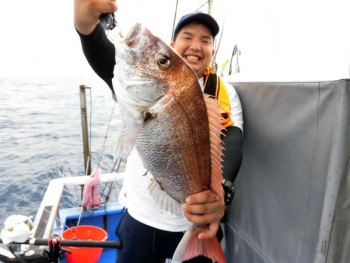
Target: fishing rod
x,y
70,243
54,249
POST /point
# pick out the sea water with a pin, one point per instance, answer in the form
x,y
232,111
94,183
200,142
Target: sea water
x,y
41,138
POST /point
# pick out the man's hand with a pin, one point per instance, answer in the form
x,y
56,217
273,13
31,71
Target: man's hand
x,y
204,208
87,13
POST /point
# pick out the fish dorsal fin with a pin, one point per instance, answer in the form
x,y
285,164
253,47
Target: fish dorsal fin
x,y
216,144
163,199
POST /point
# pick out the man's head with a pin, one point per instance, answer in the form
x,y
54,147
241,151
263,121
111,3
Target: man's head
x,y
194,40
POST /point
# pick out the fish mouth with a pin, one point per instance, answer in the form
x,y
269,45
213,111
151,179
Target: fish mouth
x,y
132,38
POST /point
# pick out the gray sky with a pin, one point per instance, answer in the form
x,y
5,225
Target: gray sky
x,y
279,39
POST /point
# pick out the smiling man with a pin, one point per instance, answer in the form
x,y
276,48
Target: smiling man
x,y
194,40
149,234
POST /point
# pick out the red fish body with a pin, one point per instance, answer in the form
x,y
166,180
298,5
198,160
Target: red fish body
x,y
175,126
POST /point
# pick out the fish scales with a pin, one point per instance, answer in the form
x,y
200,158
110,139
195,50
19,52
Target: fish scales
x,y
176,143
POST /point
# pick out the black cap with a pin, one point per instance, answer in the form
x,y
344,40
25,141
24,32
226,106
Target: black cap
x,y
208,20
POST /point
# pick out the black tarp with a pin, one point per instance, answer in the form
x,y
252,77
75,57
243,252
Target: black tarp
x,y
292,202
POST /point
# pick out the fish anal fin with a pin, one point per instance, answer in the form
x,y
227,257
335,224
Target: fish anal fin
x,y
190,246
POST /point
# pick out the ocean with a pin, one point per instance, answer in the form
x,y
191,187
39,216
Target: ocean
x,y
41,138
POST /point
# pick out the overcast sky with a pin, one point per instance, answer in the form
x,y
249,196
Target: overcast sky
x,y
278,39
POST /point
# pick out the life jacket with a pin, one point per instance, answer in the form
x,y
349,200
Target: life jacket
x,y
214,86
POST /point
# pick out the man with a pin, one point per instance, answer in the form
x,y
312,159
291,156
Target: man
x,y
147,233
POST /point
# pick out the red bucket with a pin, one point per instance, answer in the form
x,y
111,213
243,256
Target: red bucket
x,y
84,254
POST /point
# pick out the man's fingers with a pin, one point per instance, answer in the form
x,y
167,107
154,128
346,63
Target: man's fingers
x,y
110,7
203,216
101,7
213,229
201,198
200,219
205,208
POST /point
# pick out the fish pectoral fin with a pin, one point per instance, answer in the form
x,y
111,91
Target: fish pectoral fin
x,y
163,199
125,143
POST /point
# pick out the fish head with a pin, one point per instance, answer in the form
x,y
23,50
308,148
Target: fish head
x,y
147,76
147,68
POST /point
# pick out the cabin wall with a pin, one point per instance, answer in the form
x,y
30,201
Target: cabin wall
x,y
292,202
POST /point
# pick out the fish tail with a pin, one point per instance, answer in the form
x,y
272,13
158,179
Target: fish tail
x,y
190,246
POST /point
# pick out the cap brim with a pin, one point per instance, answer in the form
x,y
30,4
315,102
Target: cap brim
x,y
207,19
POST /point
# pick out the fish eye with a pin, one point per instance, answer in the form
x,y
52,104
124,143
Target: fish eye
x,y
163,61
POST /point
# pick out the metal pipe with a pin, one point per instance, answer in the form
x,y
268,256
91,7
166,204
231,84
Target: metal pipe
x,y
211,8
85,132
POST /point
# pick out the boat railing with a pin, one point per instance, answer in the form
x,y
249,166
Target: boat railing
x,y
48,216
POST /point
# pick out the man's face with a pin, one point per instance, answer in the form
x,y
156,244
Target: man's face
x,y
195,44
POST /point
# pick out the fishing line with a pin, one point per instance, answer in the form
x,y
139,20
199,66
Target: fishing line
x,y
116,167
214,64
106,136
202,5
100,159
49,212
172,34
74,237
120,160
100,156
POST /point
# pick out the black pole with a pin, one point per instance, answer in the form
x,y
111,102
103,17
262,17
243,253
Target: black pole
x,y
74,243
